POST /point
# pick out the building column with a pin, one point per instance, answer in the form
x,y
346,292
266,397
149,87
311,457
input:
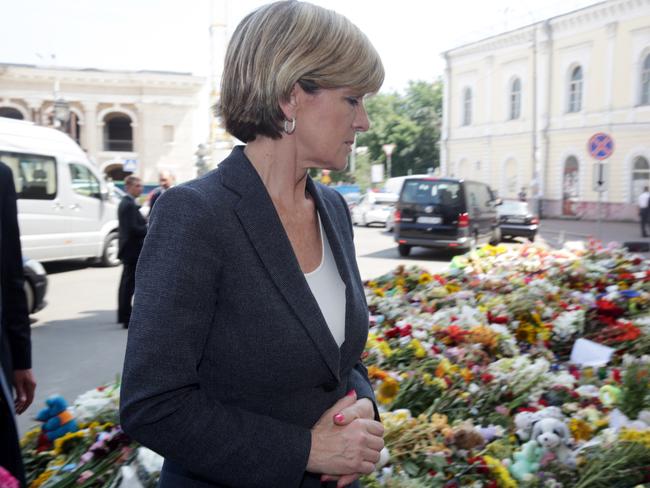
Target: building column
x,y
612,28
446,118
90,129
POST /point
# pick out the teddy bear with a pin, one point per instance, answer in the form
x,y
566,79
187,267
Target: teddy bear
x,y
57,420
553,436
526,460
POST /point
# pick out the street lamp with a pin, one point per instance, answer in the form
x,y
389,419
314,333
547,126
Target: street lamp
x,y
388,150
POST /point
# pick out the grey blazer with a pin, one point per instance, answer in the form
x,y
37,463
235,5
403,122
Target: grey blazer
x,y
229,361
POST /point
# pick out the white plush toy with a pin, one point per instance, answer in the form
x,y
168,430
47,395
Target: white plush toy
x,y
524,421
553,435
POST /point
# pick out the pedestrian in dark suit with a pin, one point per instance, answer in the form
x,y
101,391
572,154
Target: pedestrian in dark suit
x,y
15,349
243,358
132,229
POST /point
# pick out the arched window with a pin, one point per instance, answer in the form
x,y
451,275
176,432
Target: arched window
x,y
575,90
515,99
118,134
11,113
645,81
570,189
640,177
467,106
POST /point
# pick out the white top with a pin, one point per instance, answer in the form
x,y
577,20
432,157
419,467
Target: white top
x,y
328,289
643,199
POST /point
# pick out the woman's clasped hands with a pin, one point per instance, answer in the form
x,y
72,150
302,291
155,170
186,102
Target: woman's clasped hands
x,y
346,442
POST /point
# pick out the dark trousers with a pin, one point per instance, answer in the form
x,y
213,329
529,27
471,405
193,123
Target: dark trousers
x,y
644,213
125,294
10,457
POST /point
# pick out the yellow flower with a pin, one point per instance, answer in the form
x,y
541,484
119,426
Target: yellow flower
x,y
42,478
466,374
580,429
637,436
425,278
30,436
379,292
63,443
452,287
420,352
372,284
388,390
385,349
443,368
500,472
400,281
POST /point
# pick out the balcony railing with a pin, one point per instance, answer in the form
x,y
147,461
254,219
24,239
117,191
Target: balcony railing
x,y
123,145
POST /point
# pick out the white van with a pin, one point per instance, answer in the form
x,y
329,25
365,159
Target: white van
x,y
64,210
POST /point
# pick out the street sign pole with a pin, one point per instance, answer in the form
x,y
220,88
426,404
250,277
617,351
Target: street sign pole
x,y
600,147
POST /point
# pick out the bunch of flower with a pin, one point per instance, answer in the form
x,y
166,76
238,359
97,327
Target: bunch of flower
x,y
455,357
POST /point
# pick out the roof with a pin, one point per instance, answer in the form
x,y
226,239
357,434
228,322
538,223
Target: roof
x,y
26,137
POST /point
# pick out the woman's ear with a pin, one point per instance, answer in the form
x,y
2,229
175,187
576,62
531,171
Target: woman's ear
x,y
290,105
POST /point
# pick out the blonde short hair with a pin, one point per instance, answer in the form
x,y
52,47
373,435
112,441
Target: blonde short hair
x,y
284,43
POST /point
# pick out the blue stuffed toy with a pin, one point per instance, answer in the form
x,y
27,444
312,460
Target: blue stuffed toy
x,y
57,420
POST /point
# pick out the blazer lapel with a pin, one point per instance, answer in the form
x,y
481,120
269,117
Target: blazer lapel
x,y
342,261
261,222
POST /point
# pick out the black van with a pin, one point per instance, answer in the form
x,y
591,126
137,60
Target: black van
x,y
445,212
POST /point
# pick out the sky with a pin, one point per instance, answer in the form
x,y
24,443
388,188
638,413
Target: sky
x,y
173,35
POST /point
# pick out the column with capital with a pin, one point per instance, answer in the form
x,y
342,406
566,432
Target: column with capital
x,y
90,129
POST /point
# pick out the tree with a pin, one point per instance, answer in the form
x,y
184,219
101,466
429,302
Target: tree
x,y
410,121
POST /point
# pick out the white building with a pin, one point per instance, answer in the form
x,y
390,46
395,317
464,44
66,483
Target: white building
x,y
520,107
139,121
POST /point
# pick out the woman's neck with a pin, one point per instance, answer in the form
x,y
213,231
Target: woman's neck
x,y
277,164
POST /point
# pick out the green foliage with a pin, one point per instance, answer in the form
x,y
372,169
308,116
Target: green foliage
x,y
636,390
411,121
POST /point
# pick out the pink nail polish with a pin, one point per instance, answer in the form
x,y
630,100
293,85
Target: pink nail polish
x,y
351,393
339,417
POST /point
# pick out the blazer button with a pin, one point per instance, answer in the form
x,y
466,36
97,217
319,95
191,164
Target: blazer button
x,y
330,386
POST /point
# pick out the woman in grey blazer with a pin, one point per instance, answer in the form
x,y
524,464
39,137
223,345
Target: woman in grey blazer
x,y
243,360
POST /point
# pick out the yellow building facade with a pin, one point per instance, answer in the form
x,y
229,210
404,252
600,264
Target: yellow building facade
x,y
521,106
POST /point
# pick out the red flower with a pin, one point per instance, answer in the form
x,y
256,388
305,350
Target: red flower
x,y
406,330
392,332
486,377
616,374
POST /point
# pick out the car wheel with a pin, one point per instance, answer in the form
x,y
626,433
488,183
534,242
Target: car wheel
x,y
29,294
111,247
531,237
403,250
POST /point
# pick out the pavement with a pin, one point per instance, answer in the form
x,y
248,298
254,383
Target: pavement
x,y
557,231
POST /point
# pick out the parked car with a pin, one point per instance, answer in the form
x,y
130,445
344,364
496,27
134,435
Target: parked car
x,y
373,208
64,207
35,284
445,213
516,220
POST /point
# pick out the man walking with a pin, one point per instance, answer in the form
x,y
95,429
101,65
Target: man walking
x,y
166,180
644,211
15,344
132,230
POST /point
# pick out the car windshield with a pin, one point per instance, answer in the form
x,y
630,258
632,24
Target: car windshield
x,y
511,207
431,192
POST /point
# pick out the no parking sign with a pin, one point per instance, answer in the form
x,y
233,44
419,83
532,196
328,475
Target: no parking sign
x,y
600,146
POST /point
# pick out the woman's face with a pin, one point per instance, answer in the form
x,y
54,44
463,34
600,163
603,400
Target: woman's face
x,y
326,124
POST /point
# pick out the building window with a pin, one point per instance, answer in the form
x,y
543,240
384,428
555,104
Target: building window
x,y
118,133
467,106
11,113
640,177
645,81
515,99
575,90
570,187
